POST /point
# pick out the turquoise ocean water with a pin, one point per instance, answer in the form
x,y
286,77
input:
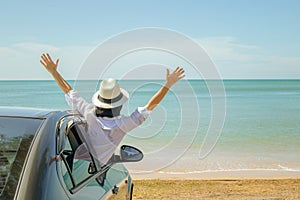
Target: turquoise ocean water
x,y
261,128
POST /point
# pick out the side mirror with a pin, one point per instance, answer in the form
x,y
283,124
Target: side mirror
x,y
130,154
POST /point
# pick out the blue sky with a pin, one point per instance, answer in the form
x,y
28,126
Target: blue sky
x,y
245,39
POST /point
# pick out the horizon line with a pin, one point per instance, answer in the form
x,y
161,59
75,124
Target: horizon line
x,y
190,79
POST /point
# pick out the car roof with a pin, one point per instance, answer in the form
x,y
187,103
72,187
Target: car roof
x,y
24,112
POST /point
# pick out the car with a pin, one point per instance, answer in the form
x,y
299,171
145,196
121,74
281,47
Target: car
x,y
37,159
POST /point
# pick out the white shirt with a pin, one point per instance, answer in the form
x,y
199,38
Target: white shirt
x,y
103,134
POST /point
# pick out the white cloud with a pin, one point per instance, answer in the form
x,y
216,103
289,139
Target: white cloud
x,y
21,61
236,60
35,47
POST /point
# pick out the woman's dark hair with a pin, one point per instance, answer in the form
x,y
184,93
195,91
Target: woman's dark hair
x,y
104,112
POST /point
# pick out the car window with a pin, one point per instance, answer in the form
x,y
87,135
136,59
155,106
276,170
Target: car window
x,y
75,174
16,135
74,170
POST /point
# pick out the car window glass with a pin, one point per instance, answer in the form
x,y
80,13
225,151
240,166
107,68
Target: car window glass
x,y
16,135
64,170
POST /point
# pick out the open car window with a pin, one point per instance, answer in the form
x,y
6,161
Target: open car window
x,y
76,171
16,135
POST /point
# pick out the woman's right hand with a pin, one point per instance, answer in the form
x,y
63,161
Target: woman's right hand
x,y
47,62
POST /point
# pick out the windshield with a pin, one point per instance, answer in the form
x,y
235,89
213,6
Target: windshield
x,y
16,135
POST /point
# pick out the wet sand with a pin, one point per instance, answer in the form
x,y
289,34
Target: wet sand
x,y
217,189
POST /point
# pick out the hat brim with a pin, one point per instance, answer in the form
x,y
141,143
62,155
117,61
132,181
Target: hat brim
x,y
100,104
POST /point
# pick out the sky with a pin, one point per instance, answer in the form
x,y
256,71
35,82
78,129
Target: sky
x,y
246,39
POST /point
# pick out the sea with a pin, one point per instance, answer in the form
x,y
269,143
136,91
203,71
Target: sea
x,y
201,126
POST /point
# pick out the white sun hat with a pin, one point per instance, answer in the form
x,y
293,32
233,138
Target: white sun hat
x,y
110,95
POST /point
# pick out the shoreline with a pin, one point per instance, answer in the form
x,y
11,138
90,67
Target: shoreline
x,y
219,175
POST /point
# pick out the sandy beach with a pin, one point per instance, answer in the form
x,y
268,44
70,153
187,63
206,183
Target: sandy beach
x,y
217,189
241,184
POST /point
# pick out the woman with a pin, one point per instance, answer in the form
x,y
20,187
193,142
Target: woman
x,y
106,127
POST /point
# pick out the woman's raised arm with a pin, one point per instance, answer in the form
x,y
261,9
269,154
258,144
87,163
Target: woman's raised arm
x,y
47,62
171,79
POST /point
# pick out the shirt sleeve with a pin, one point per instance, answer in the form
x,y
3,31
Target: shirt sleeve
x,y
128,123
77,103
